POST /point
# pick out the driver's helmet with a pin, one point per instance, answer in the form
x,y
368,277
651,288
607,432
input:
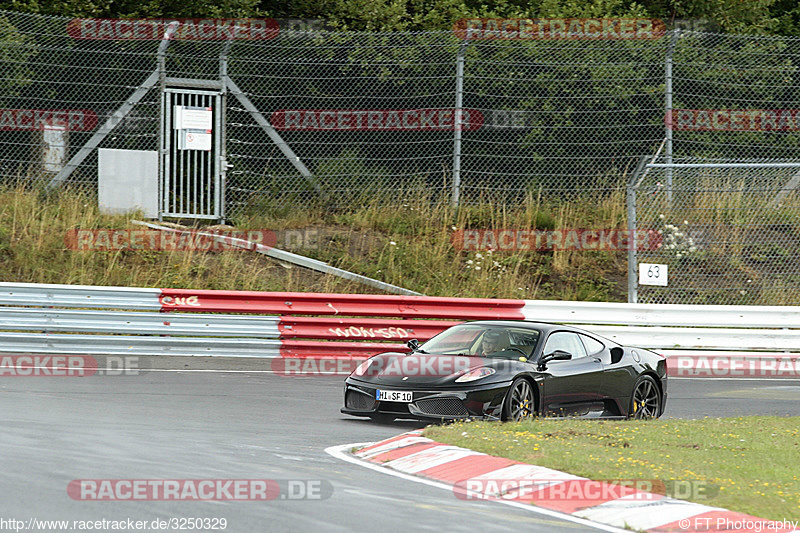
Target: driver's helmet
x,y
494,340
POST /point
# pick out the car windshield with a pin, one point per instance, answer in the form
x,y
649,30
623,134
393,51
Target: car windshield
x,y
484,341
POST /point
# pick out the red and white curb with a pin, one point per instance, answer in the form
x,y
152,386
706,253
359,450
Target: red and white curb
x,y
473,475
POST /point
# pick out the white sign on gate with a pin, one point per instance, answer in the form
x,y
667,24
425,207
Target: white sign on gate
x,y
194,140
193,118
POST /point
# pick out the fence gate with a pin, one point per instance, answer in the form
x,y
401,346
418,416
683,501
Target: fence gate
x,y
191,171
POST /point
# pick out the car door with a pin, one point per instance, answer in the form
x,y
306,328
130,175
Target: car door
x,y
618,378
571,386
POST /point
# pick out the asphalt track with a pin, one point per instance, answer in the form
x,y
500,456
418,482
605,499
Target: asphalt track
x,y
257,425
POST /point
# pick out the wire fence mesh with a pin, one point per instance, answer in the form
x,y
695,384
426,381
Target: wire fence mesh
x,y
730,235
375,116
731,228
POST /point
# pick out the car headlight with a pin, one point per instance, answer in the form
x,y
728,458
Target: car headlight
x,y
476,373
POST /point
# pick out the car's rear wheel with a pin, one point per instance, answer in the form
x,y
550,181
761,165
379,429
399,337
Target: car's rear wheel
x,y
645,400
520,403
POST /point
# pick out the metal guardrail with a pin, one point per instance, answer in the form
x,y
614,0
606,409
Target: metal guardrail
x,y
664,314
284,303
87,296
310,303
122,322
137,345
665,338
63,319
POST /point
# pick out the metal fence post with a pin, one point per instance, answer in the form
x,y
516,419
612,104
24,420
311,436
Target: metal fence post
x,y
456,193
668,111
630,202
221,131
163,152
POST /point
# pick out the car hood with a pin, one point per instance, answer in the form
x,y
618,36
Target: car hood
x,y
407,370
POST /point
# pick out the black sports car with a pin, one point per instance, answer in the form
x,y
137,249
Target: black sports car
x,y
509,370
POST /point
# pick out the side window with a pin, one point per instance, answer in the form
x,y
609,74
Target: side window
x,y
565,341
592,346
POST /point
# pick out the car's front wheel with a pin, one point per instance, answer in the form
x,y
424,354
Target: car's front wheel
x,y
645,400
520,402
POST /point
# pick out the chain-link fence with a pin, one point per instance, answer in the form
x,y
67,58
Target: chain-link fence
x,y
348,116
725,200
730,233
372,113
55,90
556,116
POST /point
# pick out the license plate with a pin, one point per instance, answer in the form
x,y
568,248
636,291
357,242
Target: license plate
x,y
394,396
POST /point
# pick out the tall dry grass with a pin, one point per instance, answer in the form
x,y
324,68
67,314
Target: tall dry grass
x,y
408,245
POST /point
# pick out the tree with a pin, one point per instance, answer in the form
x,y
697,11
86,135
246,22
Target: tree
x,y
740,16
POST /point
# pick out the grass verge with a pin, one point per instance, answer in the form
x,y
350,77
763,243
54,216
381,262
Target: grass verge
x,y
750,464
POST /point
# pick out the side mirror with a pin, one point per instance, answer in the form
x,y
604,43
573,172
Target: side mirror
x,y
558,355
413,344
616,355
